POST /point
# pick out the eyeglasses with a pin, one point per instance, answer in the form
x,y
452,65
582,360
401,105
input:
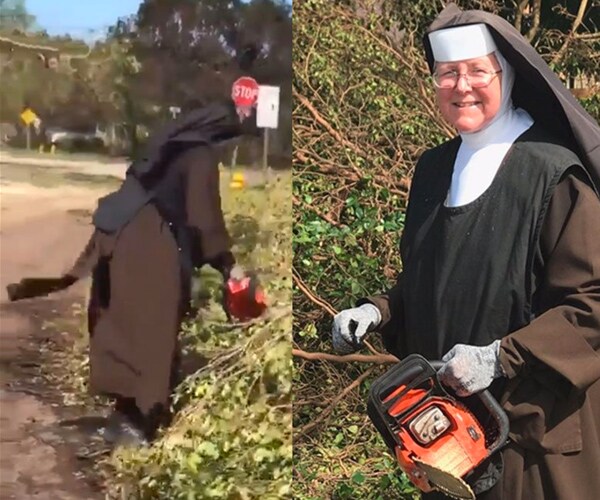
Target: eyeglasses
x,y
477,78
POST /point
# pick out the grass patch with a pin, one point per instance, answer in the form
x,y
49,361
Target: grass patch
x,y
53,177
58,155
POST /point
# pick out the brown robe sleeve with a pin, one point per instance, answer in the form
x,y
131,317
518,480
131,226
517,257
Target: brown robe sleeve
x,y
87,258
32,287
566,337
212,242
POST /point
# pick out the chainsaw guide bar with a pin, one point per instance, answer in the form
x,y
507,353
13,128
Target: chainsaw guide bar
x,y
445,482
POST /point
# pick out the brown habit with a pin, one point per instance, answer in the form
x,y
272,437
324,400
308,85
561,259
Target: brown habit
x,y
140,294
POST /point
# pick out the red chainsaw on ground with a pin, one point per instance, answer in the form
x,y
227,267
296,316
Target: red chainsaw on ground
x,y
244,297
438,439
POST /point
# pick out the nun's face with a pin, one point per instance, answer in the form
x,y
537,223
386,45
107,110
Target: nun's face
x,y
470,109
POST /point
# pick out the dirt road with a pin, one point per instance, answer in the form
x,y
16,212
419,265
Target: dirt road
x,y
42,231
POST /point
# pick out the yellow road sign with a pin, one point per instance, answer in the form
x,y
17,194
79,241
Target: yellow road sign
x,y
28,116
237,181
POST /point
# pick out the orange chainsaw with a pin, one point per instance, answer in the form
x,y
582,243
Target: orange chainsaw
x,y
438,439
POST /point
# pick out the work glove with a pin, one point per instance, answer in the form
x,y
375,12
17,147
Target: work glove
x,y
469,369
237,272
350,326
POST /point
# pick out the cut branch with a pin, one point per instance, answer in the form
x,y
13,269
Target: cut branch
x,y
327,411
519,14
379,359
317,116
312,297
572,33
535,26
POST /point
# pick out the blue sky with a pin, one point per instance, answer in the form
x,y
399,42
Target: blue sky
x,y
87,19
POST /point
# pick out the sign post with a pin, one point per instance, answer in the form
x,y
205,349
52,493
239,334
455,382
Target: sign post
x,y
28,117
267,116
244,93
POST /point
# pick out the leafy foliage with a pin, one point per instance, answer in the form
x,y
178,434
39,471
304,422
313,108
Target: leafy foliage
x,y
14,15
592,106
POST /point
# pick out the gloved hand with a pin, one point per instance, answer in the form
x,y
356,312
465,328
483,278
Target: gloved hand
x,y
350,326
469,369
237,272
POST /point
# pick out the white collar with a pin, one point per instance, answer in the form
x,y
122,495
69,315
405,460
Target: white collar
x,y
505,128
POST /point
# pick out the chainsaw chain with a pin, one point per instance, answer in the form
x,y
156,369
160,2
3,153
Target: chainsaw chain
x,y
469,495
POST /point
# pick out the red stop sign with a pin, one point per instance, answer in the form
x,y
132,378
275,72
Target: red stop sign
x,y
244,91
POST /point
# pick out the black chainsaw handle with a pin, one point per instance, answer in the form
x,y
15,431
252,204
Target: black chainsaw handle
x,y
493,407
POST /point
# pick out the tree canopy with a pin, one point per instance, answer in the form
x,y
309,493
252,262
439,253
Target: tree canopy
x,y
167,54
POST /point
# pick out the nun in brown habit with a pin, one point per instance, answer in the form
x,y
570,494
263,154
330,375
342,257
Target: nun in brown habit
x,y
501,259
164,220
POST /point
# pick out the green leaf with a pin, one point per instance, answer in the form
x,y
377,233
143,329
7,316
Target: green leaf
x,y
208,449
358,478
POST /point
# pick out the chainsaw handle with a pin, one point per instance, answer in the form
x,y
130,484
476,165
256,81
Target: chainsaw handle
x,y
501,419
493,407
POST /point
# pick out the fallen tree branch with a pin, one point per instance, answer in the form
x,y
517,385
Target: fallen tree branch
x,y
325,217
379,358
319,119
588,36
372,349
313,298
535,25
327,411
519,14
572,32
